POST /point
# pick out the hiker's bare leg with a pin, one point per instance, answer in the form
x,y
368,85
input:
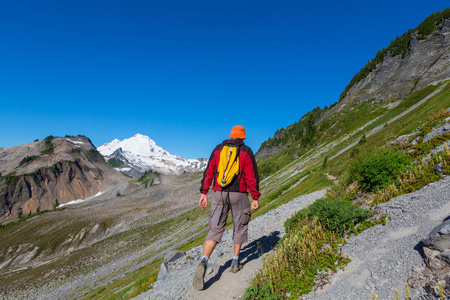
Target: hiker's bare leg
x,y
237,249
208,247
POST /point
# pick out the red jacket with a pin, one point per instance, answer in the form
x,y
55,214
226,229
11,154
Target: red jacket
x,y
248,178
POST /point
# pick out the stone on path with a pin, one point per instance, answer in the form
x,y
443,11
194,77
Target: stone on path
x,y
439,237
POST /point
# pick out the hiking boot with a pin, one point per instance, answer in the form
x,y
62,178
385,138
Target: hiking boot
x,y
235,268
199,276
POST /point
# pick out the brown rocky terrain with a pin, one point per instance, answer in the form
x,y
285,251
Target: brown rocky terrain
x,y
81,246
40,175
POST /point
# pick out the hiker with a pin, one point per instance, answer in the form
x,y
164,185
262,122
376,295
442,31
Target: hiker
x,y
232,172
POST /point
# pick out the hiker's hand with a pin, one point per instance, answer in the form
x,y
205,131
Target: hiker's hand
x,y
255,204
203,201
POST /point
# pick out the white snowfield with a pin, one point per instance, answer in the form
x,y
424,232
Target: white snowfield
x,y
143,153
75,142
80,200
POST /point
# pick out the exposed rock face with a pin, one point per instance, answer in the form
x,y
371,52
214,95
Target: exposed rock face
x,y
266,152
426,61
73,170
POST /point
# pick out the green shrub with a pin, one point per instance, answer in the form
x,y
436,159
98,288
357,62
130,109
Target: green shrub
x,y
293,222
260,293
336,214
374,170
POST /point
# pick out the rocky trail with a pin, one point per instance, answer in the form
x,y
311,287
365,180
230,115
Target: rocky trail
x,y
220,283
382,257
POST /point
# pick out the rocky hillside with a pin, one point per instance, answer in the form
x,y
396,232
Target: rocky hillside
x,y
41,175
417,59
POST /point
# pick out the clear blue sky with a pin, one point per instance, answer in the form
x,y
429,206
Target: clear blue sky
x,y
183,72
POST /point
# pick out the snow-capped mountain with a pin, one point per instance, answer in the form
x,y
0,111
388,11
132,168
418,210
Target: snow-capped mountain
x,y
140,153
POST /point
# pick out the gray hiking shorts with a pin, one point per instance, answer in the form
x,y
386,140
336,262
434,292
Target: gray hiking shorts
x,y
221,204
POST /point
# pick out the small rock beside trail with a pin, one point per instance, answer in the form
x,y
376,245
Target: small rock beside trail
x,y
173,256
439,237
169,258
436,254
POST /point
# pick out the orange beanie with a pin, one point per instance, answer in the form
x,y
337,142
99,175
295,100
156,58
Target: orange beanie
x,y
238,132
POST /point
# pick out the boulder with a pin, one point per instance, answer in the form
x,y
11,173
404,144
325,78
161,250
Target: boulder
x,y
173,256
439,237
163,272
444,256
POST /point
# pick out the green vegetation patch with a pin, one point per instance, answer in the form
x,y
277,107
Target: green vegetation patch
x,y
115,162
27,159
94,155
148,178
48,145
291,269
432,23
10,179
22,218
374,170
337,215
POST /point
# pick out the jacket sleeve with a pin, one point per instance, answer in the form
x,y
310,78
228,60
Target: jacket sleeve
x,y
251,176
209,173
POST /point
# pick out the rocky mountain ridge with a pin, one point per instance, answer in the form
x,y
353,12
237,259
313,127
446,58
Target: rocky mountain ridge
x,y
43,174
140,153
394,77
426,61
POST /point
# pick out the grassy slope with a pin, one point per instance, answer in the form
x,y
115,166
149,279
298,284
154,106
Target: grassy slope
x,y
296,177
276,184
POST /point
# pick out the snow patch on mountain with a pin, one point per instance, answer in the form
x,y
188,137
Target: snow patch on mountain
x,y
141,154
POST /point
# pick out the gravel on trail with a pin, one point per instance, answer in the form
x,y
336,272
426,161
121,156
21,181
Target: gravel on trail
x,y
381,257
263,233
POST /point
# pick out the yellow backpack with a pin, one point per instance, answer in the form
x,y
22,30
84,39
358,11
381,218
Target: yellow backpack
x,y
228,167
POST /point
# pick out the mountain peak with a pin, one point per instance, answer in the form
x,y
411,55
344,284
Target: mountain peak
x,y
142,153
141,136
